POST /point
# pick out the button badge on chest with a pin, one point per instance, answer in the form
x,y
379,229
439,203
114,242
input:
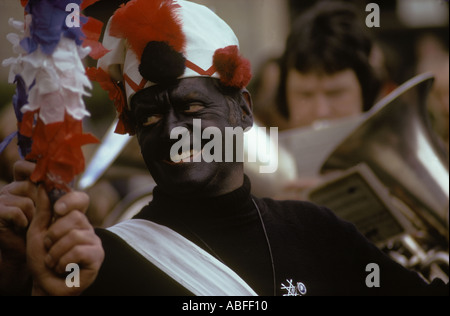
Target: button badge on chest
x,y
298,289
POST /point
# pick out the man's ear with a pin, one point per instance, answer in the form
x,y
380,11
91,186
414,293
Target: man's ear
x,y
247,109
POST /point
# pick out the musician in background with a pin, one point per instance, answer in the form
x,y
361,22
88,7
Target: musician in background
x,y
325,71
330,69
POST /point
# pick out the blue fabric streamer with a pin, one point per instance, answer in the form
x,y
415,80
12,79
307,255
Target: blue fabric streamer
x,y
19,100
49,24
7,141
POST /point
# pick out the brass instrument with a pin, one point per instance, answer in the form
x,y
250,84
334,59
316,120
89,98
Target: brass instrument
x,y
394,158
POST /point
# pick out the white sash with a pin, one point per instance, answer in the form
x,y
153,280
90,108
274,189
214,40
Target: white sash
x,y
182,260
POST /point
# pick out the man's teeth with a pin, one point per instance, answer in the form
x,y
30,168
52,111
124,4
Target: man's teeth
x,y
185,155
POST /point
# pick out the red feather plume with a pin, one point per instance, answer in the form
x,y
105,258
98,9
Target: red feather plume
x,y
144,21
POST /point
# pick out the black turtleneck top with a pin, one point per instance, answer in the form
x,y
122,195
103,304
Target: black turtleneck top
x,y
224,226
313,251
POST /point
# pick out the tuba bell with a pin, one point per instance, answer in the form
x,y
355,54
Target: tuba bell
x,y
396,153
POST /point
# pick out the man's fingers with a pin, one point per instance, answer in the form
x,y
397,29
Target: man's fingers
x,y
62,226
23,170
43,215
64,245
21,188
9,193
78,201
12,215
23,204
89,257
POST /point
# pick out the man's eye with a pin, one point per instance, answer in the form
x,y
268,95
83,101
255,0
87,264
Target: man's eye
x,y
193,108
153,119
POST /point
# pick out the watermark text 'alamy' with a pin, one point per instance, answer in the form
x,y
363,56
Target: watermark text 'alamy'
x,y
256,146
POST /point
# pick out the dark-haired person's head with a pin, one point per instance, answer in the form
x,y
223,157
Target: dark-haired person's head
x,y
325,70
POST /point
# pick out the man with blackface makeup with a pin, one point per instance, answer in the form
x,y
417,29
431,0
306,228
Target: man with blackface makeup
x,y
203,233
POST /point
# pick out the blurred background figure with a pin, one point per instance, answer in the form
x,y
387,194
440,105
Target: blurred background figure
x,y
325,71
331,69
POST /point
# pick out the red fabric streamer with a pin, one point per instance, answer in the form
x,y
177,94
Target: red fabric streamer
x,y
57,152
26,126
115,94
92,29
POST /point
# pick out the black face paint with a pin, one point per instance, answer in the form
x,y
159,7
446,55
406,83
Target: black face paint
x,y
160,109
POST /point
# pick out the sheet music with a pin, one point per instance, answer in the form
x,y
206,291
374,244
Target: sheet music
x,y
311,146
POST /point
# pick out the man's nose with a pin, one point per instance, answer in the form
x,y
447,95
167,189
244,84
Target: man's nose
x,y
170,122
173,121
